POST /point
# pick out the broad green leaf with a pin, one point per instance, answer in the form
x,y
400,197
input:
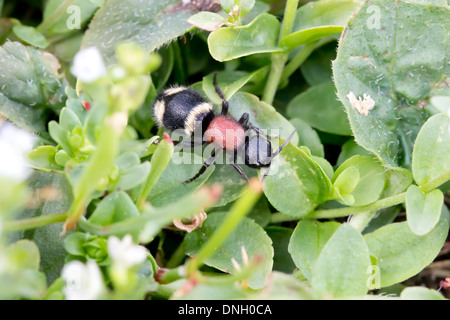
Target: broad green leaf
x,y
397,181
232,182
423,210
296,183
115,207
400,253
43,158
340,271
307,242
308,137
431,154
420,293
31,36
149,24
74,18
51,193
350,149
29,83
208,21
131,171
442,103
262,115
390,56
319,107
170,187
282,260
317,68
247,234
24,254
260,36
319,19
371,178
229,82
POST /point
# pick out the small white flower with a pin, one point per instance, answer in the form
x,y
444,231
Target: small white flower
x,y
185,2
83,281
125,253
88,65
362,106
15,144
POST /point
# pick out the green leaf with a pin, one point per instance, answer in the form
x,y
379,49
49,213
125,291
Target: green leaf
x,y
231,181
345,184
74,242
423,210
317,67
296,184
442,103
395,52
115,207
397,181
261,115
131,171
229,82
400,253
29,83
149,24
208,21
307,242
43,158
74,18
340,271
420,293
431,154
319,19
51,194
260,36
169,186
282,260
248,234
371,179
24,254
319,107
308,137
31,36
350,149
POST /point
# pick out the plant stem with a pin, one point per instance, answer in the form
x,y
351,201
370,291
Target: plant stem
x,y
229,224
280,59
177,257
55,16
298,59
34,223
343,212
433,184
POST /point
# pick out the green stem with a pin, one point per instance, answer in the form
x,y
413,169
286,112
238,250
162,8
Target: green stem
x,y
280,59
239,210
177,257
34,223
298,59
433,184
347,211
55,16
276,70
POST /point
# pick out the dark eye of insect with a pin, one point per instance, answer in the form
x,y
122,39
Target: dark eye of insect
x,y
180,108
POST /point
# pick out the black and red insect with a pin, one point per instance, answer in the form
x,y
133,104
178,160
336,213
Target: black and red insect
x,y
180,108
